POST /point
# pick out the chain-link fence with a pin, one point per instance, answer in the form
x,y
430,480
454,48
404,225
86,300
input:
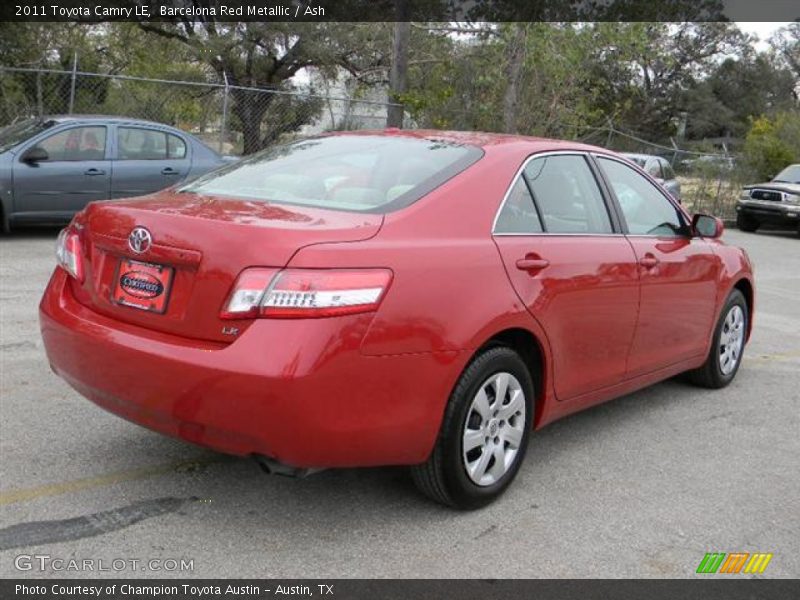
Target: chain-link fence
x,y
231,119
710,181
236,120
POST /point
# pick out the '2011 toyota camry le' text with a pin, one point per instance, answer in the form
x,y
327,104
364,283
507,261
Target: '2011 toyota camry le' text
x,y
393,298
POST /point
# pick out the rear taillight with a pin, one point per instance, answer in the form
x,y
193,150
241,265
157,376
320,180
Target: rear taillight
x,y
306,293
68,253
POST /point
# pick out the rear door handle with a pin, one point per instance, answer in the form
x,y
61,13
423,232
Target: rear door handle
x,y
168,171
648,261
532,264
93,172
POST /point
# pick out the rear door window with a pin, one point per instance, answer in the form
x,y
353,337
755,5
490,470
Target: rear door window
x,y
138,143
176,147
567,195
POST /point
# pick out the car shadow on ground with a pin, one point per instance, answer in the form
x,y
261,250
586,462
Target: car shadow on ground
x,y
234,490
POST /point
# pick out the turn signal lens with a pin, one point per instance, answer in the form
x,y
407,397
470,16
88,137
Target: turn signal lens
x,y
306,293
68,253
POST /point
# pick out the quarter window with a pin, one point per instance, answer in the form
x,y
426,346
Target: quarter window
x,y
78,143
567,195
646,210
136,143
518,214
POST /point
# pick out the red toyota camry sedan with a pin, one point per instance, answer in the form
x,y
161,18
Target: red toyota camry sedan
x,y
393,298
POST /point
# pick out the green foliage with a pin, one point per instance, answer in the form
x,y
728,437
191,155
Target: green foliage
x,y
556,79
772,144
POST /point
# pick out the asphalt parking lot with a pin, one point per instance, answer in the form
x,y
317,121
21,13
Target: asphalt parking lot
x,y
642,486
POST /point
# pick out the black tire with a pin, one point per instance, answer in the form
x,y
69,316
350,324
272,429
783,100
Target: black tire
x,y
745,223
444,476
711,375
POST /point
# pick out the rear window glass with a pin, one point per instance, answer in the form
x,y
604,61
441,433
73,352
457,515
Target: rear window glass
x,y
367,173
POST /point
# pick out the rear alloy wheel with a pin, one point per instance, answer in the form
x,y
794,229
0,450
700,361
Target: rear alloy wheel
x,y
745,223
727,346
484,434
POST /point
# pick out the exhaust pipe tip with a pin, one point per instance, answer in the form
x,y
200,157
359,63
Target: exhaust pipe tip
x,y
273,467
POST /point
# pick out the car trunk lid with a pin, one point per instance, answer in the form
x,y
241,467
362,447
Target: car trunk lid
x,y
199,245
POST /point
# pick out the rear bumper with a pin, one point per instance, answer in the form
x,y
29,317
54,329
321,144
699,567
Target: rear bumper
x,y
300,392
772,213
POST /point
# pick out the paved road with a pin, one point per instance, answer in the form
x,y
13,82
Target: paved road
x,y
639,487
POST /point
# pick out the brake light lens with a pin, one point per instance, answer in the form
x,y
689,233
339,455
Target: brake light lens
x,y
248,291
68,253
306,293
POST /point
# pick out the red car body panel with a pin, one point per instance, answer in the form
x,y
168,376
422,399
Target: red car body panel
x,y
371,389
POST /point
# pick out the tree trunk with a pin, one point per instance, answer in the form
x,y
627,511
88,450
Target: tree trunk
x,y
516,58
250,107
399,72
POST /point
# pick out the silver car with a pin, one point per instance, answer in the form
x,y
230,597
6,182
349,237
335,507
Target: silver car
x,y
51,167
659,169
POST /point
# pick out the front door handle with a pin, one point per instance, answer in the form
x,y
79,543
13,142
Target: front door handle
x,y
168,171
648,261
93,172
532,263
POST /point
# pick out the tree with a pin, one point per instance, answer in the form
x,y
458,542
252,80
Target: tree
x,y
772,144
641,70
723,103
787,43
515,59
255,58
399,73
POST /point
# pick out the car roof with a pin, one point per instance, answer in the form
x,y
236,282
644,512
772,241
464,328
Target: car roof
x,y
489,142
639,155
103,118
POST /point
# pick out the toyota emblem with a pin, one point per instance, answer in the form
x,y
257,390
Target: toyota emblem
x,y
139,240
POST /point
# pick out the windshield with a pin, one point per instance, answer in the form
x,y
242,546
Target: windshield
x,y
19,132
368,173
790,174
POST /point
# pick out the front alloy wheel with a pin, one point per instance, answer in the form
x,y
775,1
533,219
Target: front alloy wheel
x,y
731,340
727,346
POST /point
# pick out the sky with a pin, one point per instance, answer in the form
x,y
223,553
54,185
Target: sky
x,y
762,30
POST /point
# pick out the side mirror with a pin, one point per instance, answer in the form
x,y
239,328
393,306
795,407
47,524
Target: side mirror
x,y
707,226
35,154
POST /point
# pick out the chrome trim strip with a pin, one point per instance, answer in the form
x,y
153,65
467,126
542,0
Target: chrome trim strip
x,y
775,204
545,234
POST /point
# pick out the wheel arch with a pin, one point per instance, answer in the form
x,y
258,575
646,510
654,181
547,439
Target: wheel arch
x,y
525,343
5,213
745,286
